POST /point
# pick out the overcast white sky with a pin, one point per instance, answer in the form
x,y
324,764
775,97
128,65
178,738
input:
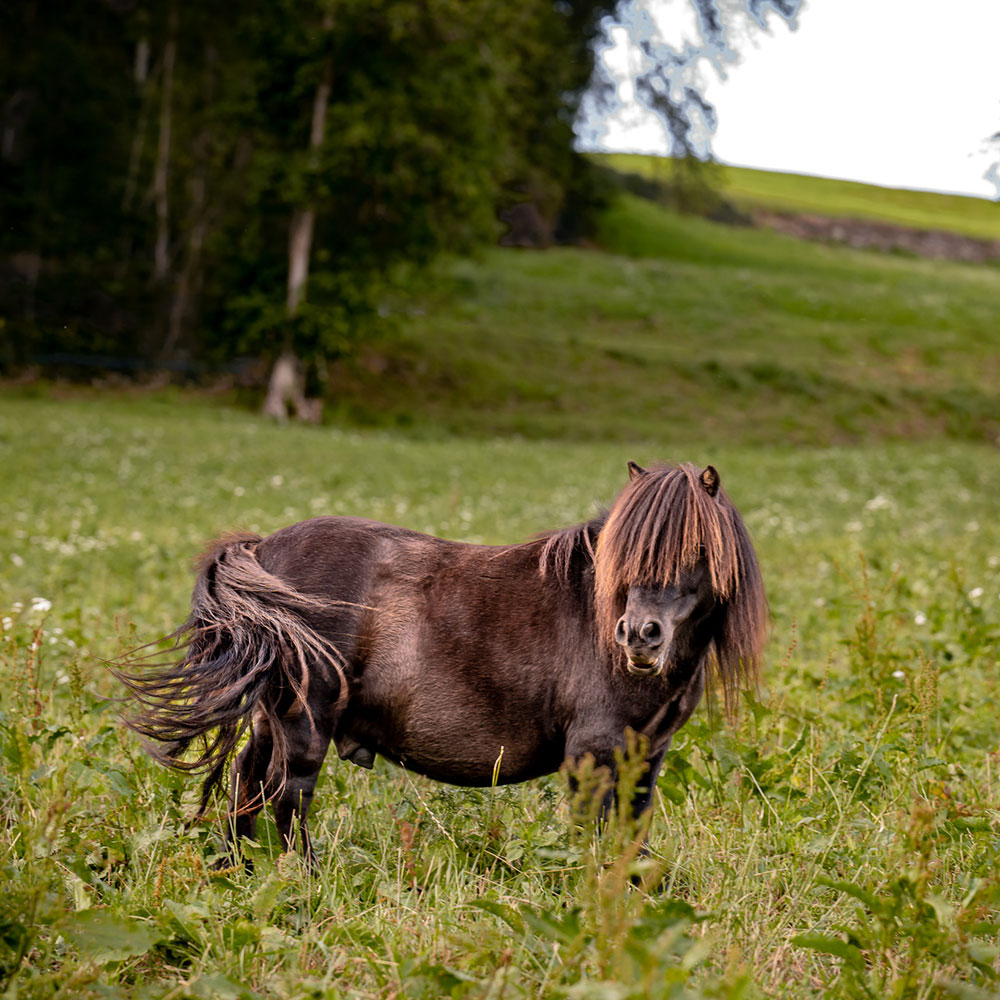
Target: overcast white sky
x,y
902,93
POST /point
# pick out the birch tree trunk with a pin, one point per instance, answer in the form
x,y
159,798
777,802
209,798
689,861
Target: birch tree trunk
x,y
180,302
143,82
287,383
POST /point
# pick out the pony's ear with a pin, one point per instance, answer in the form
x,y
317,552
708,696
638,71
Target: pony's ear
x,y
710,480
635,471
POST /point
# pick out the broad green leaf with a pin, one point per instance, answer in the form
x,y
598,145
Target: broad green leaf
x,y
105,937
830,945
506,913
871,901
564,928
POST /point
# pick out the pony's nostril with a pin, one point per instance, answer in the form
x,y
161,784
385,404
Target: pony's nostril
x,y
651,633
621,632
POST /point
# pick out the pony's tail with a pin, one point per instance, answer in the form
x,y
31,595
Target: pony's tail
x,y
246,650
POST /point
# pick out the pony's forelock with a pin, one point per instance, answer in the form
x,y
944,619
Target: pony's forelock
x,y
665,522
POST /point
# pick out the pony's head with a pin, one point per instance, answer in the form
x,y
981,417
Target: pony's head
x,y
675,574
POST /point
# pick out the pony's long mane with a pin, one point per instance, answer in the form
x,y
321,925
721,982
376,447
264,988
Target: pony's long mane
x,y
564,548
664,522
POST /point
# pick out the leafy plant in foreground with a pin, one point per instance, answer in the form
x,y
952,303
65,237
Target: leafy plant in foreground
x,y
906,939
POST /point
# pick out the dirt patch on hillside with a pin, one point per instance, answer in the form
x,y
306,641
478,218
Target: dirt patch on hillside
x,y
863,234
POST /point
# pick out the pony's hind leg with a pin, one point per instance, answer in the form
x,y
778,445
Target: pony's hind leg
x,y
307,741
249,787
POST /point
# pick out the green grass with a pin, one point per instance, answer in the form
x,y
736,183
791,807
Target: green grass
x,y
845,833
824,196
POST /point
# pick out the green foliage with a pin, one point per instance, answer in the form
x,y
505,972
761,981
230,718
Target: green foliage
x,y
327,326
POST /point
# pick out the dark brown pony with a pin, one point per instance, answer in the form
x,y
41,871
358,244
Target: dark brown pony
x,y
438,654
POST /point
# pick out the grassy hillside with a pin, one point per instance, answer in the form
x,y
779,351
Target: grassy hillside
x,y
683,329
824,196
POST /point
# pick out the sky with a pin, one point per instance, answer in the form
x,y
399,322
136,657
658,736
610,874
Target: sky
x,y
902,93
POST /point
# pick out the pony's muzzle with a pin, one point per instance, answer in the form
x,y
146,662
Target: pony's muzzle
x,y
643,645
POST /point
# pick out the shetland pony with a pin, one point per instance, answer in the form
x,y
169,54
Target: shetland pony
x,y
437,654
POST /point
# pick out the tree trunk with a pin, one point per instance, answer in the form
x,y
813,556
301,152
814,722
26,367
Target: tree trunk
x,y
28,266
287,383
180,302
161,252
300,235
189,279
139,138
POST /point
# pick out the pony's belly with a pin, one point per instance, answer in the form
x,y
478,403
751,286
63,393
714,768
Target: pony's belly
x,y
479,773
459,751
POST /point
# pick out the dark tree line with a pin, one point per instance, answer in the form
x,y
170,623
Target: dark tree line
x,y
185,184
195,182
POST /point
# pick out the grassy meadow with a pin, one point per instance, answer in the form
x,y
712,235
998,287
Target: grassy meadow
x,y
840,839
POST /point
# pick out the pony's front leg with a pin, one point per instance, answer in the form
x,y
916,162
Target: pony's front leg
x,y
596,754
642,797
604,757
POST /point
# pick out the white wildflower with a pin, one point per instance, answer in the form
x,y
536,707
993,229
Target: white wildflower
x,y
898,674
16,560
277,480
975,593
238,491
853,526
41,605
920,618
879,502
